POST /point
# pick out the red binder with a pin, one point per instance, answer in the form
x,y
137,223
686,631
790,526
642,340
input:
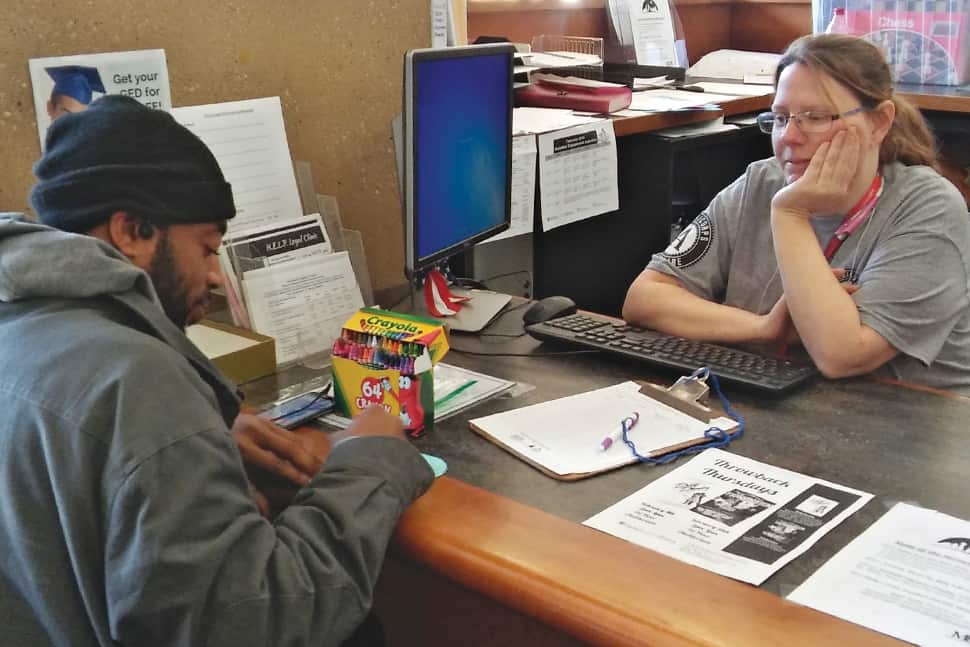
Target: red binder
x,y
585,98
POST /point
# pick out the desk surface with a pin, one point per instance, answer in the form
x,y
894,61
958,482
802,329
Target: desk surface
x,y
943,98
650,121
898,443
498,527
940,98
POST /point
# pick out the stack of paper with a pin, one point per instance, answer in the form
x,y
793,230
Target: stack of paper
x,y
735,64
282,277
563,437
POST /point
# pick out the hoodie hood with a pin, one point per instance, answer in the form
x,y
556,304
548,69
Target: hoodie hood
x,y
39,262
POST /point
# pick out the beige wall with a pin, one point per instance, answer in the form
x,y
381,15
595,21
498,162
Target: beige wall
x,y
336,65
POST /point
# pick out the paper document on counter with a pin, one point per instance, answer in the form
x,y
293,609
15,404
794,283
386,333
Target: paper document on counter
x,y
907,575
577,174
731,515
563,436
302,304
673,99
524,154
735,89
248,140
456,389
734,64
701,128
529,121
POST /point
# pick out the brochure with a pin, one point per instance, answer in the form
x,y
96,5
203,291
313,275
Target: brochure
x,y
731,515
907,576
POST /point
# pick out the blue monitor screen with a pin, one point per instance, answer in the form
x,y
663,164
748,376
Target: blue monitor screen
x,y
461,147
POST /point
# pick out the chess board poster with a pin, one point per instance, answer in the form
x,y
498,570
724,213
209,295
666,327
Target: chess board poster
x,y
924,41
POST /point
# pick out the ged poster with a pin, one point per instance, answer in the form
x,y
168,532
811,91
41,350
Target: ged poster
x,y
64,84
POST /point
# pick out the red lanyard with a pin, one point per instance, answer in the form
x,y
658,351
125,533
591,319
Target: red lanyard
x,y
857,214
854,218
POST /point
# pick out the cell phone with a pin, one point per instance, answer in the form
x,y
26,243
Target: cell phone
x,y
298,410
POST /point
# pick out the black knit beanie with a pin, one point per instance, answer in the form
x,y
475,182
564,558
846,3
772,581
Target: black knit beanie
x,y
119,155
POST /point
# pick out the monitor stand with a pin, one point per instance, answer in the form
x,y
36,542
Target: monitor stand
x,y
476,313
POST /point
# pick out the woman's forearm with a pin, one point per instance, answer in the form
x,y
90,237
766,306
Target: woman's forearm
x,y
657,301
824,314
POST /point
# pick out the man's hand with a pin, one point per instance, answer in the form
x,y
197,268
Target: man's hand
x,y
268,446
372,421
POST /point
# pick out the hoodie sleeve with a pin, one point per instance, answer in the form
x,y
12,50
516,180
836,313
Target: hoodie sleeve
x,y
190,561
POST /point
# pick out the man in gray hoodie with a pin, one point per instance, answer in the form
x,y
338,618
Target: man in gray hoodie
x,y
125,516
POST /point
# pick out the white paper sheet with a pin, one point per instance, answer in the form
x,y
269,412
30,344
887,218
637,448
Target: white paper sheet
x,y
481,387
524,154
619,13
302,304
730,514
662,100
692,130
529,121
653,32
439,23
564,435
249,142
735,89
141,75
907,575
281,242
285,241
577,174
734,64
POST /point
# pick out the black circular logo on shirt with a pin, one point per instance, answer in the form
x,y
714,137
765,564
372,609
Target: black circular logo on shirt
x,y
692,243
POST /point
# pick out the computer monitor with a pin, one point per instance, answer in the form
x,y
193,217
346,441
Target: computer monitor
x,y
457,150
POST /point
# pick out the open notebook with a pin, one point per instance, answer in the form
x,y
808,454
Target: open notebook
x,y
562,437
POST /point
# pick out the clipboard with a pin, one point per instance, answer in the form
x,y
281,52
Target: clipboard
x,y
679,405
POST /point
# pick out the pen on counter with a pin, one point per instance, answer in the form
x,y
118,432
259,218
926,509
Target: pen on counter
x,y
626,424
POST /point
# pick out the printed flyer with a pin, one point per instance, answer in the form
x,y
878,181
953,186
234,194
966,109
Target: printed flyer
x,y
731,515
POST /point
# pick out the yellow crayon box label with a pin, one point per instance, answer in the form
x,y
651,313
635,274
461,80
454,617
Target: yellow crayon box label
x,y
362,377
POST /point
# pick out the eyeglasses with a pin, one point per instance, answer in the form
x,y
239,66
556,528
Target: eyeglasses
x,y
810,121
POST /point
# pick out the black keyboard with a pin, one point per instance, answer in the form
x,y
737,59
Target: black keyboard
x,y
730,365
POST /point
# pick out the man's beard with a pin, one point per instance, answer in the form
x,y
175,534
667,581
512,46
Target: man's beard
x,y
169,284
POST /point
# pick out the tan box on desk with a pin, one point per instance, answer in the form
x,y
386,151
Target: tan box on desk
x,y
242,355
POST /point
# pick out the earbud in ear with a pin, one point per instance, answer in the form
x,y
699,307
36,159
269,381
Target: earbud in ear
x,y
146,230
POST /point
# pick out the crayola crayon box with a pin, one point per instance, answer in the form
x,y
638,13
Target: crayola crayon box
x,y
387,358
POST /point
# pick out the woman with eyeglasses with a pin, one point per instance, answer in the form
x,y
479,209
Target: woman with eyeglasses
x,y
847,241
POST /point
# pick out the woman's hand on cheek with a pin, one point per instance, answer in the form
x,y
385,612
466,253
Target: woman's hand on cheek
x,y
823,188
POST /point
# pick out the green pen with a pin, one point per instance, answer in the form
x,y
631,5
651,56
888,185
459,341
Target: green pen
x,y
445,399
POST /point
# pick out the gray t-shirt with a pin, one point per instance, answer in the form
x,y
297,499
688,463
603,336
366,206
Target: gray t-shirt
x,y
911,259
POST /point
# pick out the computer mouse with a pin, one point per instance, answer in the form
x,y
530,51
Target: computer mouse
x,y
549,308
